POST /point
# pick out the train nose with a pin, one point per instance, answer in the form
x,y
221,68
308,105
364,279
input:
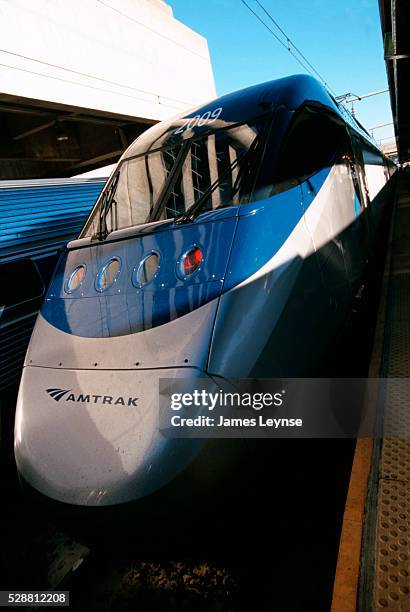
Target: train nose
x,y
92,437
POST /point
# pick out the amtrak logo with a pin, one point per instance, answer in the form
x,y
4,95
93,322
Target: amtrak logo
x,y
58,394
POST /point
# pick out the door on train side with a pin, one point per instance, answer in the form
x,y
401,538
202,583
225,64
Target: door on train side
x,y
309,157
358,233
323,183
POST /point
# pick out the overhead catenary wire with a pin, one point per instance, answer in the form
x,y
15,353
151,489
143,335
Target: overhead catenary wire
x,y
145,26
382,125
90,76
356,98
291,43
351,98
391,138
49,76
290,46
287,44
273,34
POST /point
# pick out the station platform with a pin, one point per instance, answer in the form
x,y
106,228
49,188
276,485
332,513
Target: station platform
x,y
373,569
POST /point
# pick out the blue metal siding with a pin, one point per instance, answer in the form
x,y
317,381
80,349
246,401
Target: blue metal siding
x,y
36,219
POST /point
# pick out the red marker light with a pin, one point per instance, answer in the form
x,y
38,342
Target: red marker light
x,y
191,261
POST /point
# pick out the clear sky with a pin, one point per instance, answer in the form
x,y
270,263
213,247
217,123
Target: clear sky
x,y
341,38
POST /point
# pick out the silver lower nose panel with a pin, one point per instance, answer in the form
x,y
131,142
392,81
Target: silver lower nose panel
x,y
91,437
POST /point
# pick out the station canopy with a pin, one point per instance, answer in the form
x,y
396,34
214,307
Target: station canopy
x,y
44,139
395,21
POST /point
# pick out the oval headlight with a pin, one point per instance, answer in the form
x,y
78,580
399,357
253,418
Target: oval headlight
x,y
146,270
75,279
108,274
190,262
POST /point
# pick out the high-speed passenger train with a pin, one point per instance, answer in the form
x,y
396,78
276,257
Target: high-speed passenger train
x,y
228,242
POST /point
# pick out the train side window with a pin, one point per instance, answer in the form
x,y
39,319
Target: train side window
x,y
375,170
310,145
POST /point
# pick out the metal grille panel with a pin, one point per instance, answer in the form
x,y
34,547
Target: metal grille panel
x,y
38,216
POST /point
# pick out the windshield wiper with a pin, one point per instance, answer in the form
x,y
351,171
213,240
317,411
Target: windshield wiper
x,y
190,214
108,203
170,181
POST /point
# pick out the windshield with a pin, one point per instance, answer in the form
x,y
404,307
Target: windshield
x,y
203,173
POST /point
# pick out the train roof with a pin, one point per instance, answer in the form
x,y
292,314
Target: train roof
x,y
243,105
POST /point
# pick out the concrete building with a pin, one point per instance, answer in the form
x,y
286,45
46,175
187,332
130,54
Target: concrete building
x,y
389,148
80,79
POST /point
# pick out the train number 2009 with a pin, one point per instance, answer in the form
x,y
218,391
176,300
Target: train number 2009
x,y
208,117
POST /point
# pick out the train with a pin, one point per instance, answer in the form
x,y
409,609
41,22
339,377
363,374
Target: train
x,y
229,242
38,217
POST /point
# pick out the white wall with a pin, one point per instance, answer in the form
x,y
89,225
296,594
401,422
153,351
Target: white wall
x,y
135,59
